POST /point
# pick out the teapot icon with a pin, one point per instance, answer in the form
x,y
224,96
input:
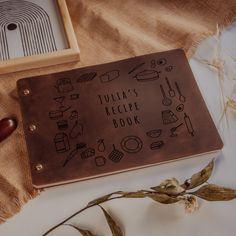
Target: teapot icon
x,y
64,85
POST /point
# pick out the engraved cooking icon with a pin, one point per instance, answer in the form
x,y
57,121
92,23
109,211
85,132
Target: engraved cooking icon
x,y
64,85
61,142
132,144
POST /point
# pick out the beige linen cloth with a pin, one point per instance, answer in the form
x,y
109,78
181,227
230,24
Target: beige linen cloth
x,y
106,30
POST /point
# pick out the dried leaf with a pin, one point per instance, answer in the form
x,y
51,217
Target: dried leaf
x,y
200,177
114,227
231,103
163,198
170,187
103,198
211,192
82,231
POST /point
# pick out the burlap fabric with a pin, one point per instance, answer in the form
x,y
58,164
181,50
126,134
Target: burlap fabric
x,y
106,30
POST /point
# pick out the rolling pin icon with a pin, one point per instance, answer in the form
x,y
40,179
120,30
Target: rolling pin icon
x,y
188,124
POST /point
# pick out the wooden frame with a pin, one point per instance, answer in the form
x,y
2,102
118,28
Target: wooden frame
x,y
70,54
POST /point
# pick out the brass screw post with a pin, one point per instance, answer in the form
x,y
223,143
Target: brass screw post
x,y
32,128
26,92
39,167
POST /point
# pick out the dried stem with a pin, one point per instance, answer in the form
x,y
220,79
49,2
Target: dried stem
x,y
77,213
168,192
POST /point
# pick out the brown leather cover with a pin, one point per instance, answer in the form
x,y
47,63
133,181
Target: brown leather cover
x,y
114,117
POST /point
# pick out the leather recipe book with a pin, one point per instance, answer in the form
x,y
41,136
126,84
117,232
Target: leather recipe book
x,y
114,117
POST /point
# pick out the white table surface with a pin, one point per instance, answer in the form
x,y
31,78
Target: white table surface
x,y
142,216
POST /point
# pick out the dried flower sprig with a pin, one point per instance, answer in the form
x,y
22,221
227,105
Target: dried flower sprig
x,y
168,192
231,103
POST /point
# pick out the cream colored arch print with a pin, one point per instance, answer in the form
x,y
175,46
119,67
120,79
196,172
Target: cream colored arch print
x,y
32,29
